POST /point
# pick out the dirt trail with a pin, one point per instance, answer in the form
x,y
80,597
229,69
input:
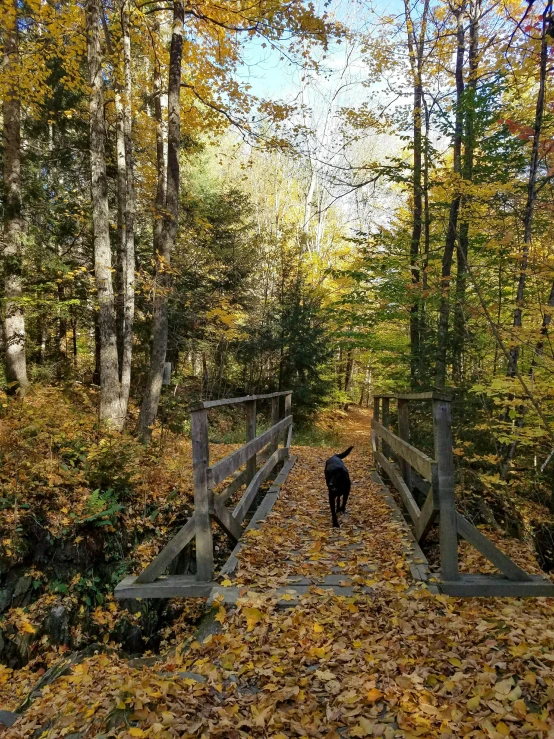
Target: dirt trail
x,y
388,659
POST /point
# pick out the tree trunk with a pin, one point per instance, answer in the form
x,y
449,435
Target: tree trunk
x,y
151,399
467,171
531,192
512,369
129,214
415,49
111,409
444,310
14,320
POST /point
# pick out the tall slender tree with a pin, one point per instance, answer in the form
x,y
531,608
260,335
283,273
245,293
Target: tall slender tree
x,y
451,233
151,398
112,410
13,318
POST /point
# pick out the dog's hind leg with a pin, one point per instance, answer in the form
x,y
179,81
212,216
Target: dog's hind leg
x,y
345,497
333,502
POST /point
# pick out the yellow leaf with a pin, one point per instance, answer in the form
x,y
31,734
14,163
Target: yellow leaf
x,y
519,708
374,695
455,662
364,728
226,583
503,728
253,617
318,628
473,703
120,705
134,731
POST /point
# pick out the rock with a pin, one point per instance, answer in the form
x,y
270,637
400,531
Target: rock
x,y
6,595
22,585
57,626
132,641
8,718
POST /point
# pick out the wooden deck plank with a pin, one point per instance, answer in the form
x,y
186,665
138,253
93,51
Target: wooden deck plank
x,y
172,586
263,510
490,586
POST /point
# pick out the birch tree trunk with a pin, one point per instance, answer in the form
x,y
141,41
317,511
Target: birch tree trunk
x,y
151,399
129,213
111,409
444,310
13,320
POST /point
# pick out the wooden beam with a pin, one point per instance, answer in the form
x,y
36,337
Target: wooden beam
x,y
202,496
394,476
432,395
288,412
492,586
489,550
418,460
250,435
250,493
274,420
404,434
238,481
205,404
160,563
385,421
228,465
223,517
428,514
448,535
172,586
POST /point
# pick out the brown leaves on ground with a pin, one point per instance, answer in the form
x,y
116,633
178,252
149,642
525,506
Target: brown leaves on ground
x,y
397,662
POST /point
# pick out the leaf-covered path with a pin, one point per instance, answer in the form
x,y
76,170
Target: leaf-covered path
x,y
388,660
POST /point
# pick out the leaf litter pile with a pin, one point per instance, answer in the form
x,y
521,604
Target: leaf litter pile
x,y
388,660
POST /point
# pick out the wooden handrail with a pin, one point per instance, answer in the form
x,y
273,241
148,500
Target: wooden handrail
x,y
418,460
236,459
431,395
205,404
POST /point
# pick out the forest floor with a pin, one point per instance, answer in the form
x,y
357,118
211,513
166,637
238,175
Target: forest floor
x,y
397,661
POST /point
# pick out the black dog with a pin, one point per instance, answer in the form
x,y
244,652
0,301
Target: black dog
x,y
338,483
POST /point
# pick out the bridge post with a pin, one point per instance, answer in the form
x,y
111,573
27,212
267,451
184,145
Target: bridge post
x,y
404,433
202,495
448,531
385,409
274,420
250,434
288,409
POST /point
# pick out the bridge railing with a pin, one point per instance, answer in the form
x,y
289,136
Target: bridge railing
x,y
407,468
210,505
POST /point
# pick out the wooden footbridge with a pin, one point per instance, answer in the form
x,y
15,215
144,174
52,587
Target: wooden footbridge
x,y
410,471
263,449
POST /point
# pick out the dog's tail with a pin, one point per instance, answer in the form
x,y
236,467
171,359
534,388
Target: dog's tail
x,y
344,454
